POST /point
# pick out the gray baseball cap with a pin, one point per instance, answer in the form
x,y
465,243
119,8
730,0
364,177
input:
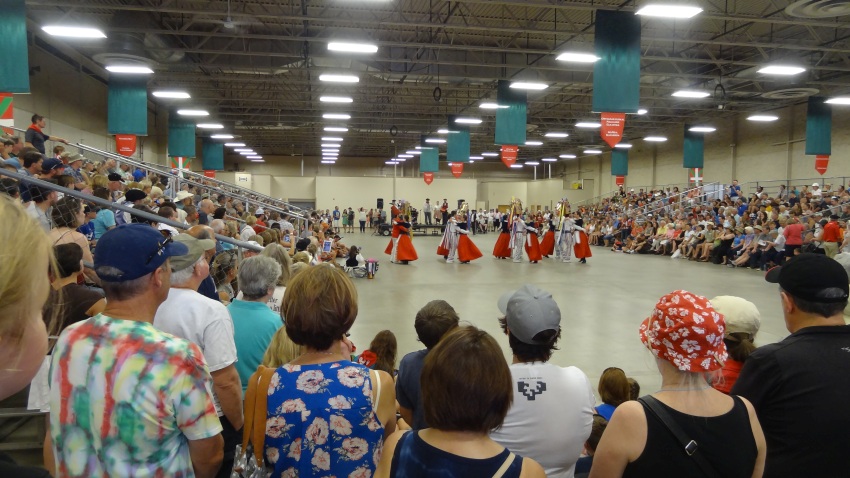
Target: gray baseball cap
x,y
528,311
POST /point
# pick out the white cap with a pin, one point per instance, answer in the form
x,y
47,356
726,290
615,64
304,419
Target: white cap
x,y
741,315
815,185
183,195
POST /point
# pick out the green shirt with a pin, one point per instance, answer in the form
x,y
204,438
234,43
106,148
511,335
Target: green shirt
x,y
254,325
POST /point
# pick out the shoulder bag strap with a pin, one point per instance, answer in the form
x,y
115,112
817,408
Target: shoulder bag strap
x,y
507,464
248,410
258,439
652,405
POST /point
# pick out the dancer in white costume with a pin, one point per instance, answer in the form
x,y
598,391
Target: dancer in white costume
x,y
450,238
518,230
566,238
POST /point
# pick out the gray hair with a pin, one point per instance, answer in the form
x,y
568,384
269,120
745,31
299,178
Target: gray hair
x,y
181,277
281,256
256,276
217,225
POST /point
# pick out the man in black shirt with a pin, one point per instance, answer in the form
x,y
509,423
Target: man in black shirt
x,y
35,137
799,386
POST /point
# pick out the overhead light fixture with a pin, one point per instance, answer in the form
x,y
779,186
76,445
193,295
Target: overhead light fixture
x,y
443,131
258,161
176,95
576,57
529,85
330,145
839,100
592,151
393,163
339,78
210,125
400,159
467,121
702,129
222,136
488,105
435,141
331,138
783,70
655,139
516,166
588,124
691,94
234,145
73,32
248,153
328,162
556,135
352,47
193,113
413,151
532,163
241,150
254,157
763,118
567,156
549,160
490,155
129,69
336,99
623,145
534,143
669,11
405,156
341,116
476,158
330,150
642,111
336,129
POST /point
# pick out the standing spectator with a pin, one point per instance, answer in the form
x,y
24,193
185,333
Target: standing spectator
x,y
734,189
799,386
444,211
122,388
67,215
793,233
362,218
548,400
207,324
281,256
432,322
336,216
614,390
73,302
427,209
742,323
35,137
351,219
831,238
223,271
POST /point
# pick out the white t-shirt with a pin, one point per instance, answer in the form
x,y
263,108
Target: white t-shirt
x,y
203,321
551,416
247,233
275,300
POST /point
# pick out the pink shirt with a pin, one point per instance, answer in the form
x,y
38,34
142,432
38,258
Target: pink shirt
x,y
793,234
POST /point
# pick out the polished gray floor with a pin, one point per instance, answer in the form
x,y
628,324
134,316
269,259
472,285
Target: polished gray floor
x,y
602,303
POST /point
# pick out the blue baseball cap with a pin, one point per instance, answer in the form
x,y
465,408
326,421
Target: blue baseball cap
x,y
50,164
131,251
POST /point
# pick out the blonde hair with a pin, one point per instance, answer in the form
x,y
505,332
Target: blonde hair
x,y
282,350
99,181
281,256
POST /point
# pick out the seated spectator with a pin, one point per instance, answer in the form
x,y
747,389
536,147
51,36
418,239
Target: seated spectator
x,y
67,215
685,334
466,363
223,271
253,322
634,389
124,384
742,324
70,302
337,413
247,233
282,350
432,322
167,212
381,353
613,390
355,259
584,463
548,400
39,208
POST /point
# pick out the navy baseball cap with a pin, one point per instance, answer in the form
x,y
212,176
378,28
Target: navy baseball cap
x,y
131,251
50,164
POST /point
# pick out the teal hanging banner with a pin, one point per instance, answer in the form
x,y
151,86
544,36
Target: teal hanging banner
x,y
429,160
181,136
212,155
818,127
616,75
511,117
127,110
620,162
457,142
693,151
14,59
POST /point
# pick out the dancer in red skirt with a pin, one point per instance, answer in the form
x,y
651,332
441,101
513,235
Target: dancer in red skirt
x,y
582,245
532,244
547,245
401,248
502,250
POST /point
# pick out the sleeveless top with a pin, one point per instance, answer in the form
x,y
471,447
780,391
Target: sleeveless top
x,y
414,458
321,421
726,441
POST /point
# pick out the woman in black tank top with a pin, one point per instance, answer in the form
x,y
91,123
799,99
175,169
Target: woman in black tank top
x,y
685,334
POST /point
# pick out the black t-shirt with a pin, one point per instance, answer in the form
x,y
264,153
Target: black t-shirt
x,y
800,388
36,139
71,303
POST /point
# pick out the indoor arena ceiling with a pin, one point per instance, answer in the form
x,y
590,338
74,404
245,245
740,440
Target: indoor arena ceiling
x,y
257,70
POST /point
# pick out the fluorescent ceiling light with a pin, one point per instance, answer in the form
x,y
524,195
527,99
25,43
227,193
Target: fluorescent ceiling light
x,y
248,153
330,150
352,47
669,11
763,118
567,156
330,145
443,131
258,161
335,99
534,143
331,138
392,162
435,140
193,113
592,151
210,125
490,155
533,163
342,116
222,136
516,166
241,150
328,162
691,94
549,160
477,158
413,151
339,78
405,156
576,57
254,157
235,145
643,111
655,139
702,129
177,95
588,124
623,145
335,129
839,100
400,160
489,105
467,120
529,85
784,70
129,69
556,135
73,32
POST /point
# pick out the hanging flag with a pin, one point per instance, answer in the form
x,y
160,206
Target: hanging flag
x,y
212,154
428,177
509,154
818,127
181,162
620,180
14,60
616,75
821,163
620,162
457,142
127,105
695,177
7,112
511,117
181,136
126,144
693,149
457,169
613,125
209,174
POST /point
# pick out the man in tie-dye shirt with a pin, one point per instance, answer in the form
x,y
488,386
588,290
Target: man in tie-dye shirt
x,y
127,399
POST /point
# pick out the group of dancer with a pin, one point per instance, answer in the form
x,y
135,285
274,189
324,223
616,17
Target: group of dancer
x,y
518,234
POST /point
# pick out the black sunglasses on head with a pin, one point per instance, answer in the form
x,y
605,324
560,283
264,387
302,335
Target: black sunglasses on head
x,y
160,248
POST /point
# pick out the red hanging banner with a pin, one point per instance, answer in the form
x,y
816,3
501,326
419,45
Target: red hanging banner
x,y
509,154
457,169
428,177
126,144
821,163
613,125
209,173
7,118
620,180
695,177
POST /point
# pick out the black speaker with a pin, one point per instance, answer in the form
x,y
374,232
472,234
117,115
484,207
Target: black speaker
x,y
460,203
380,203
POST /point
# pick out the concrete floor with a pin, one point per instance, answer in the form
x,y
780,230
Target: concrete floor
x,y
602,303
